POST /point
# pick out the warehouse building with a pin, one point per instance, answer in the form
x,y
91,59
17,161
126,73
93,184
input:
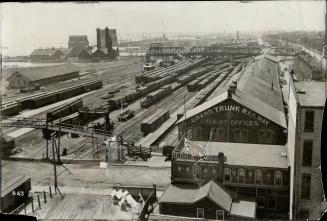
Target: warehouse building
x,y
306,107
238,140
46,55
28,77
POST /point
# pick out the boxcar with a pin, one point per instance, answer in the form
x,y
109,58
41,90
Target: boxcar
x,y
64,110
10,109
152,123
43,100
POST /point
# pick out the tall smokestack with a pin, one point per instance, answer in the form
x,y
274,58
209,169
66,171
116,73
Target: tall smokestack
x,y
108,40
98,38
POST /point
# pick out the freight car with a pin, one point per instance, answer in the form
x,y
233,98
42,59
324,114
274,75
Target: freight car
x,y
154,122
14,193
156,96
123,100
42,99
64,110
10,108
126,115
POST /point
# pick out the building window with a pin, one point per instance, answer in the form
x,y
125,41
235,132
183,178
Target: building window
x,y
278,178
305,186
258,176
237,135
308,121
200,213
268,136
241,175
227,177
244,135
219,214
272,203
307,153
221,135
261,201
261,136
179,169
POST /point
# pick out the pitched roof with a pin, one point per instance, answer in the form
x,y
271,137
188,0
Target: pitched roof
x,y
242,154
48,52
78,38
38,73
258,89
243,209
66,51
192,194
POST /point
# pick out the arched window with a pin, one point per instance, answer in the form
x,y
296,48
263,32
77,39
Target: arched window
x,y
258,176
227,175
278,178
241,175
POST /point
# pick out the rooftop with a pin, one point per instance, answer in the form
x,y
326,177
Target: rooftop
x,y
38,73
244,209
192,194
257,89
47,52
9,185
314,95
243,154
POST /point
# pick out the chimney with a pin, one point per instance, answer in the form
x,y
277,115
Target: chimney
x,y
98,38
232,87
229,93
221,160
108,40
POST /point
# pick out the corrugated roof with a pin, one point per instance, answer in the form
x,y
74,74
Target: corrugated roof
x,y
47,52
258,89
191,194
38,73
244,154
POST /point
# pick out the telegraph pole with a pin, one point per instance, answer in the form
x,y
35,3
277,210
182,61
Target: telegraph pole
x,y
54,162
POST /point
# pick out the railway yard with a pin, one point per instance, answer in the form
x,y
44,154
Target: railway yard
x,y
193,80
116,115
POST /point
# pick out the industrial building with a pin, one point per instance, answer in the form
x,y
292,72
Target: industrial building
x,y
238,139
78,41
46,55
28,77
306,108
101,37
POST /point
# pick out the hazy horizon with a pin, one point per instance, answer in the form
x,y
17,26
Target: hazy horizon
x,y
27,26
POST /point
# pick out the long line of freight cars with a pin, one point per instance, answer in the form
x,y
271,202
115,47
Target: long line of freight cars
x,y
133,95
42,99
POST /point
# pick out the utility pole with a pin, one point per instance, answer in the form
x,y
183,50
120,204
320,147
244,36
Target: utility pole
x,y
58,153
54,162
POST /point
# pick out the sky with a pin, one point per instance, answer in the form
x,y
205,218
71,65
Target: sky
x,y
26,26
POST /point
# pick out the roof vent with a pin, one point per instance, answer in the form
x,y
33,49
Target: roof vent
x,y
283,154
300,91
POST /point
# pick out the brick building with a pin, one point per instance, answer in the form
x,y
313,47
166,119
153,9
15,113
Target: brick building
x,y
78,41
238,139
306,107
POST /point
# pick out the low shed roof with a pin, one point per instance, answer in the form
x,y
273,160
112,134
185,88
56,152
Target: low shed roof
x,y
39,73
192,194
